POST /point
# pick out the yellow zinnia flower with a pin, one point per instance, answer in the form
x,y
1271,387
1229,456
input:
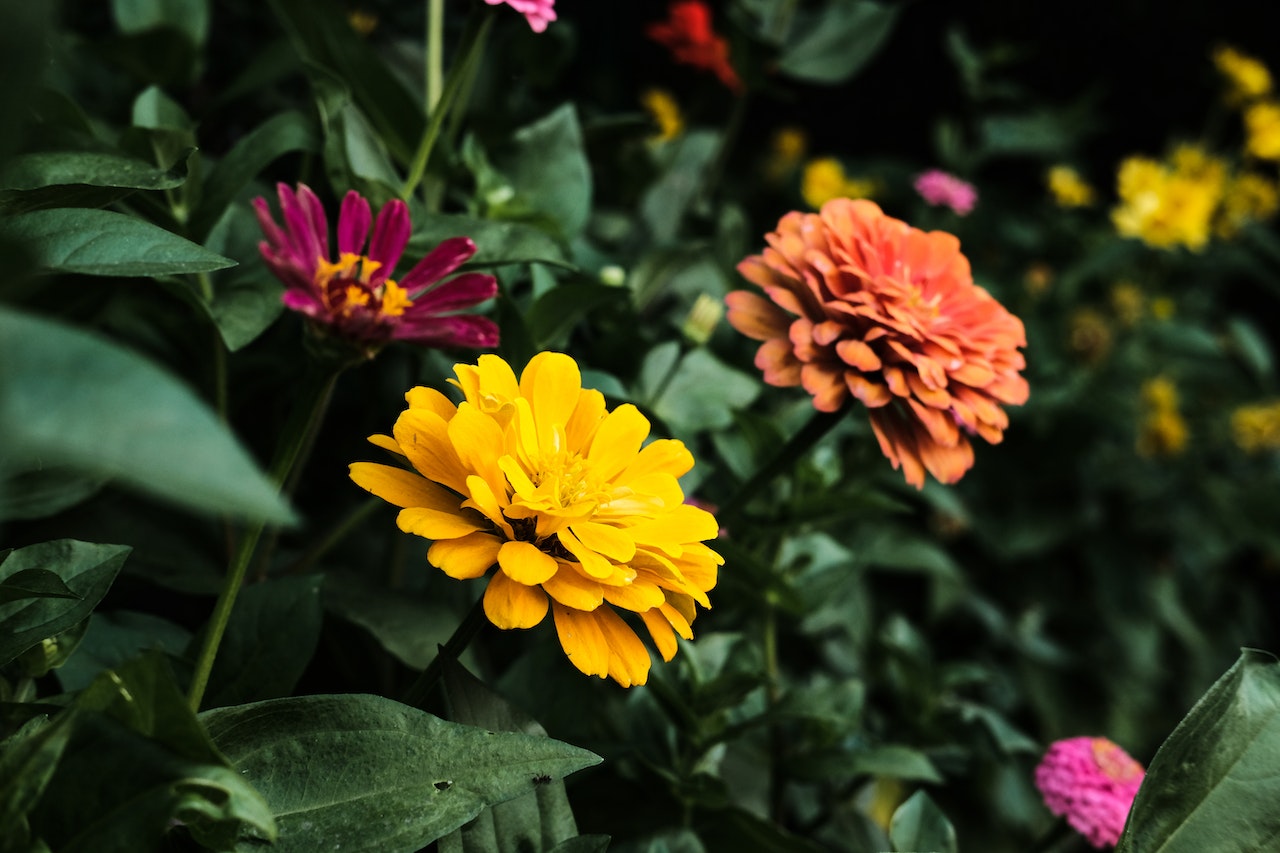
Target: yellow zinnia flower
x,y
1247,77
825,179
537,476
665,111
1169,205
1068,188
1257,427
1262,130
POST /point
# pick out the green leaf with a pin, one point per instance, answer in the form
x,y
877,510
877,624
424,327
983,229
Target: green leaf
x,y
534,822
918,825
116,637
701,394
899,762
272,634
246,299
1213,783
279,135
548,168
497,243
46,169
560,309
832,45
1251,345
145,429
155,110
368,773
27,763
189,17
33,583
138,764
411,628
43,492
101,242
582,844
664,203
86,569
1043,134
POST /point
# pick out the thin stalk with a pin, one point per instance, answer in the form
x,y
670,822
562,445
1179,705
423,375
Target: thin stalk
x,y
772,694
723,150
466,631
819,425
473,41
313,399
434,61
353,520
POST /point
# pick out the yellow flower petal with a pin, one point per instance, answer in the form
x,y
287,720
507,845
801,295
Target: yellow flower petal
x,y
477,438
484,499
431,400
582,640
434,524
609,541
573,589
525,564
637,596
586,418
402,488
423,437
551,382
509,604
386,442
467,556
666,456
628,658
617,441
592,563
660,630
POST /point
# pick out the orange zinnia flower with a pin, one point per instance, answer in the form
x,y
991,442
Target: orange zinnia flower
x,y
865,305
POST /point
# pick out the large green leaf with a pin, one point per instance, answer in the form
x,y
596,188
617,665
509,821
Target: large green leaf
x,y
101,242
139,764
115,637
833,44
43,491
27,762
1213,784
700,392
497,243
189,17
86,569
410,627
270,639
549,169
33,583
918,825
368,773
68,397
531,823
57,168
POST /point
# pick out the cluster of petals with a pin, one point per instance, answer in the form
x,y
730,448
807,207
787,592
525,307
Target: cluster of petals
x,y
538,13
1091,782
688,34
354,298
579,514
942,189
863,305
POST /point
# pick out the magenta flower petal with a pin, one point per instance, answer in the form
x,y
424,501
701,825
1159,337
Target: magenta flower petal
x,y
1091,782
438,263
538,13
463,330
939,188
267,223
303,302
390,235
353,223
464,291
303,239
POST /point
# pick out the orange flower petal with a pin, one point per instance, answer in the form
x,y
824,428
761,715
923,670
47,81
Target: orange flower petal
x,y
510,604
525,564
467,556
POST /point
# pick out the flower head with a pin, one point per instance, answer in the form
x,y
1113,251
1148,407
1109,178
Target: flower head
x,y
538,13
1169,204
824,179
939,188
1092,782
1262,130
665,112
534,474
1257,427
687,33
1162,431
863,305
354,298
1068,188
1246,77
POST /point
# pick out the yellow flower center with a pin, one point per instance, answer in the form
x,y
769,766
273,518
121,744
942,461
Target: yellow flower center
x,y
347,286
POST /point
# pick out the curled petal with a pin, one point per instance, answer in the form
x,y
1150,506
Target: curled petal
x,y
439,262
464,291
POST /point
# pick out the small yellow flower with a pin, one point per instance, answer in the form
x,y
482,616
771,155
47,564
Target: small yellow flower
x,y
1068,188
1037,279
1128,303
1163,308
1250,197
1090,335
665,111
1257,427
1169,205
1262,130
825,179
579,514
362,21
1247,78
1160,393
703,319
786,150
1162,432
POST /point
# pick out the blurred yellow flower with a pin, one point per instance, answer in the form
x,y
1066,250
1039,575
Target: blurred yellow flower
x,y
1162,432
1257,427
825,179
786,149
1250,197
1090,335
665,113
362,21
1246,77
1160,393
1128,302
1162,308
1167,205
1037,279
1068,188
1262,130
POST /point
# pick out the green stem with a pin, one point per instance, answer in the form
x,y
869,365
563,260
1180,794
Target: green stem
x,y
434,83
473,41
773,694
723,150
312,401
819,425
466,631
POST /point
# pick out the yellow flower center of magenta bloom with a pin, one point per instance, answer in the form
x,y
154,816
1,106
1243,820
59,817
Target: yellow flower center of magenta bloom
x,y
347,286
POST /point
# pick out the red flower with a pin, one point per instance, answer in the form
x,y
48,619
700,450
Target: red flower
x,y
688,35
864,305
355,297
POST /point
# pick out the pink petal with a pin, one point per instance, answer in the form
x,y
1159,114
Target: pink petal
x,y
353,223
299,219
390,234
461,292
441,261
463,330
267,223
303,302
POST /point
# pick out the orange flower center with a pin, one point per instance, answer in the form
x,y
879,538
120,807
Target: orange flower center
x,y
346,287
1114,762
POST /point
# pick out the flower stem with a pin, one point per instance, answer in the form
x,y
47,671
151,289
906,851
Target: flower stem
x,y
473,41
727,140
313,398
434,84
799,444
466,631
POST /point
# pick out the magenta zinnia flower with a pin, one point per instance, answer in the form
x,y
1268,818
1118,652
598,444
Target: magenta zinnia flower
x,y
941,189
355,298
538,13
1092,782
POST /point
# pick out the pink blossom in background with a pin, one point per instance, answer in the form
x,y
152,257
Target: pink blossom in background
x,y
942,189
538,13
1092,782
